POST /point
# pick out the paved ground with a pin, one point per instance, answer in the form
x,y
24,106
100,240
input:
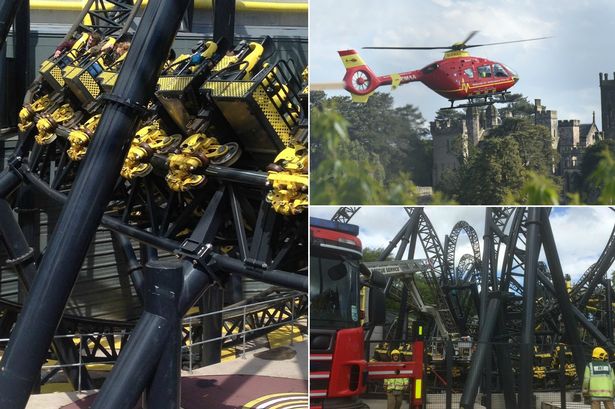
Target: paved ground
x,y
433,402
277,375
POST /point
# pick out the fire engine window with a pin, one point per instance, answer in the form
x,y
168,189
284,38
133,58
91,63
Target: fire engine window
x,y
333,291
469,72
499,71
484,71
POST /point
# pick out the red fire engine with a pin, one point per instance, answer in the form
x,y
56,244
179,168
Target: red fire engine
x,y
339,356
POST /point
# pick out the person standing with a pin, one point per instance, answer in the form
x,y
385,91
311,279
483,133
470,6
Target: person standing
x,y
599,380
395,387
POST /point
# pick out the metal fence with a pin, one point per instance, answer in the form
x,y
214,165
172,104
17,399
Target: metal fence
x,y
246,332
242,312
448,366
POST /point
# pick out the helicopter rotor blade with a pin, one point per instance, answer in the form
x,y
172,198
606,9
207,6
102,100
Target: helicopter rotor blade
x,y
469,37
406,48
506,42
456,46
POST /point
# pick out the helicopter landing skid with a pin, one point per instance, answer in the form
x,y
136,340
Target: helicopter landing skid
x,y
486,100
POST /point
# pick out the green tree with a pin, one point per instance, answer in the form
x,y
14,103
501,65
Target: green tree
x,y
493,174
590,185
519,107
372,254
396,135
344,172
540,190
513,164
450,115
604,178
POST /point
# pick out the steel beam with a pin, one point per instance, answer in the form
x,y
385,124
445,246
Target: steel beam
x,y
486,264
80,217
22,52
22,258
224,20
609,308
149,357
482,354
212,300
587,324
529,300
8,10
561,293
164,392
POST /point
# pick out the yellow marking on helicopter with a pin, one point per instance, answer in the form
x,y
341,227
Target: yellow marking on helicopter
x,y
473,87
352,60
395,81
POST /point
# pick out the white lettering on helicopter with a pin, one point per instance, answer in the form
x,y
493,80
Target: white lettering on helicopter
x,y
410,77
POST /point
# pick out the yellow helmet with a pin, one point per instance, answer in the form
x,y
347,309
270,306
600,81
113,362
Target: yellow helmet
x,y
600,353
395,352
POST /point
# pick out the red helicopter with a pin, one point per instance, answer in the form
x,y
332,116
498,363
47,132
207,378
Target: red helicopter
x,y
458,76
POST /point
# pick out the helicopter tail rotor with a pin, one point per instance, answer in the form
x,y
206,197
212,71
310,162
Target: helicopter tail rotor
x,y
359,80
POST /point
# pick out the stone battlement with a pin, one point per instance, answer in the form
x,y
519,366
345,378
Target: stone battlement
x,y
604,79
446,126
569,123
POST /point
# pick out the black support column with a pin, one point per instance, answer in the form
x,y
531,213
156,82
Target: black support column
x,y
164,282
561,293
212,300
482,354
526,394
8,10
21,363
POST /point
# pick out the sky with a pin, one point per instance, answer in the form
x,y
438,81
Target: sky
x,y
562,71
581,233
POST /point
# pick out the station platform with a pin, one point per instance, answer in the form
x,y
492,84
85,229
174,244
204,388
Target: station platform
x,y
265,377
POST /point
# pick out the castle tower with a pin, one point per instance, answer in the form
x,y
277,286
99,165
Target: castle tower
x,y
569,133
548,119
491,120
473,125
607,99
446,135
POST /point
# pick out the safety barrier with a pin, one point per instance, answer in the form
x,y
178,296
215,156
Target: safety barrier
x,y
188,323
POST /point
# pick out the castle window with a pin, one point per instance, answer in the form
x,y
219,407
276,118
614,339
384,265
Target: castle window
x,y
484,71
469,72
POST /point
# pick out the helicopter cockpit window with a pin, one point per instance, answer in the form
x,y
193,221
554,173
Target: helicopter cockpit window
x,y
499,71
510,71
469,72
484,71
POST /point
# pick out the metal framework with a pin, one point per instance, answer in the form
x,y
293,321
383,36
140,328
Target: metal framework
x,y
526,308
175,173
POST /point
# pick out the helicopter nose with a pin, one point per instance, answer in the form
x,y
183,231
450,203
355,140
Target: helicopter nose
x,y
515,78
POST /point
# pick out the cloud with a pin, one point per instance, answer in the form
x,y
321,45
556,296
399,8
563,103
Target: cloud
x,y
581,233
562,71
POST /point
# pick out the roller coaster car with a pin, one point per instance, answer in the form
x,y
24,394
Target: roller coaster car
x,y
52,69
93,76
180,81
263,110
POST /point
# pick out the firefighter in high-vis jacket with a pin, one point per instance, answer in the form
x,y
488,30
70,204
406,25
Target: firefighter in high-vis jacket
x,y
599,380
395,387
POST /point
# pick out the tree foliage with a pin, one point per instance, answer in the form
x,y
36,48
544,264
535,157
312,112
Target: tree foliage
x,y
519,107
345,171
396,135
591,183
508,166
